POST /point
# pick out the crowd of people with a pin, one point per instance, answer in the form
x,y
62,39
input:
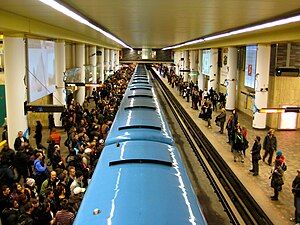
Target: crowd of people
x,y
209,101
41,185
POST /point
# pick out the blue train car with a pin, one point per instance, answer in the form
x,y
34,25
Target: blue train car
x,y
140,178
140,183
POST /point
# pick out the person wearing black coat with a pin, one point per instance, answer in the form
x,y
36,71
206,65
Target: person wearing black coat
x,y
38,133
220,119
255,155
296,192
270,145
19,141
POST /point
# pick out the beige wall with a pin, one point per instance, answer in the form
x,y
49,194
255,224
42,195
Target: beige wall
x,y
244,103
43,117
283,91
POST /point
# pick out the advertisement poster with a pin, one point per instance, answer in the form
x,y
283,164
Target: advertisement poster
x,y
206,62
250,66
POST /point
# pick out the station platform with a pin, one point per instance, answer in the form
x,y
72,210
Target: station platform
x,y
259,186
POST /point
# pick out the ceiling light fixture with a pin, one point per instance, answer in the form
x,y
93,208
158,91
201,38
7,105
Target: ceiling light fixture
x,y
184,44
59,7
279,22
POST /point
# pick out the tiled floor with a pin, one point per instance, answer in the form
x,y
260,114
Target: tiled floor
x,y
281,211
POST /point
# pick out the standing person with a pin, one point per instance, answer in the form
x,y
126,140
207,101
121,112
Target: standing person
x,y
230,129
235,117
221,118
188,90
55,136
277,179
269,145
237,145
246,143
296,192
208,115
255,152
51,123
38,133
20,140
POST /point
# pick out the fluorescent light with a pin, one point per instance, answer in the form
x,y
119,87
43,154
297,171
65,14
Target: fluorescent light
x,y
57,6
184,44
279,22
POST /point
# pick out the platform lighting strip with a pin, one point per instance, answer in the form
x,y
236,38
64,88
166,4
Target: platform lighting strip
x,y
57,6
240,31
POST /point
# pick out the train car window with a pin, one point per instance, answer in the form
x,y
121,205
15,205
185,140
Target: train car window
x,y
135,161
140,107
139,127
139,96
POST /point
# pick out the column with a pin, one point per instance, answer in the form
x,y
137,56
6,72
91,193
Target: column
x,y
261,85
117,60
101,64
106,62
186,65
80,58
59,96
69,55
112,60
200,76
93,62
213,72
231,78
15,89
74,55
193,65
177,62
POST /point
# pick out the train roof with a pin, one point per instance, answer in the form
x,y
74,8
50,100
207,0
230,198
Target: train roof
x,y
133,178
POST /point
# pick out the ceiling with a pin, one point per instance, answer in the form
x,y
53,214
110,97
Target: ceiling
x,y
145,23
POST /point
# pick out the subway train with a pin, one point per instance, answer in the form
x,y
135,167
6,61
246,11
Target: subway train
x,y
140,178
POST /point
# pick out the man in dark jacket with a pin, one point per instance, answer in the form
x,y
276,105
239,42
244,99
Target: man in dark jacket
x,y
270,145
296,192
19,141
255,155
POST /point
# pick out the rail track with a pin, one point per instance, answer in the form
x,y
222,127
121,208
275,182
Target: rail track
x,y
216,169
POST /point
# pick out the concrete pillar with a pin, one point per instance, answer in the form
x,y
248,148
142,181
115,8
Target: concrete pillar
x,y
93,62
15,89
59,96
193,65
73,55
80,57
177,57
106,62
213,72
186,65
69,55
261,85
101,64
117,60
200,76
112,60
231,78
